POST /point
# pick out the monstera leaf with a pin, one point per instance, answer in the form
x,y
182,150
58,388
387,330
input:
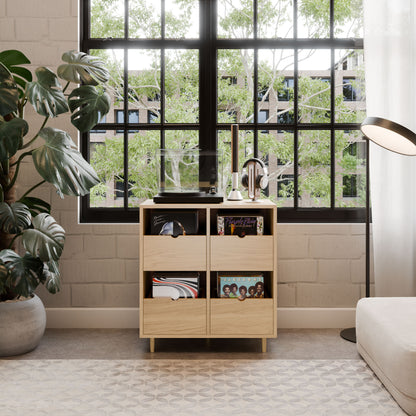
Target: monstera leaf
x,y
36,205
14,218
9,94
4,273
51,277
46,239
11,59
91,105
59,162
82,68
11,137
46,94
24,272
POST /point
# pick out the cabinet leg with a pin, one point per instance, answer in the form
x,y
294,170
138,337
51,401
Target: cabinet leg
x,y
264,345
152,344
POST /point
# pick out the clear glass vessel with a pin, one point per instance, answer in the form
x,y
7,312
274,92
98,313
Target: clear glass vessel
x,y
188,172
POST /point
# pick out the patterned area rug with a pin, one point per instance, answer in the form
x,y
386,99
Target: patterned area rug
x,y
191,387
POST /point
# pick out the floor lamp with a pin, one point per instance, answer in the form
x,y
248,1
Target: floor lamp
x,y
398,139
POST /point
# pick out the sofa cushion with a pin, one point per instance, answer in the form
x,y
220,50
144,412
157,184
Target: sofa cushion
x,y
386,339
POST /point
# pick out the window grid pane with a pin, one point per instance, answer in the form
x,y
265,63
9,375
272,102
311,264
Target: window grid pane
x,y
299,93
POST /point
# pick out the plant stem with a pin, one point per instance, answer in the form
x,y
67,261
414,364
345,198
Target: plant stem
x,y
14,238
66,86
10,185
32,189
20,158
21,106
37,134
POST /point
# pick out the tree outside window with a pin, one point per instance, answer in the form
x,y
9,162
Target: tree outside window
x,y
162,82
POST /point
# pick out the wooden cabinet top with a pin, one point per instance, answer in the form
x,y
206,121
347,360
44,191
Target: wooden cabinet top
x,y
246,203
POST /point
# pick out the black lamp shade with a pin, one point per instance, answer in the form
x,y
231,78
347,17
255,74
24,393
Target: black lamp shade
x,y
390,135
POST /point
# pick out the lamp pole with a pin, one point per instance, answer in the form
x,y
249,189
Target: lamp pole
x,y
349,334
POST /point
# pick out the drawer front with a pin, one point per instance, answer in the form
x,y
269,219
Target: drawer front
x,y
164,253
174,317
230,253
248,317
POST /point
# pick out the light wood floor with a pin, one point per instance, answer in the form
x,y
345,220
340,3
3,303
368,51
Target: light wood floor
x,y
126,344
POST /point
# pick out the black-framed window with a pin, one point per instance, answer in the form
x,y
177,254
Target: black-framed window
x,y
191,69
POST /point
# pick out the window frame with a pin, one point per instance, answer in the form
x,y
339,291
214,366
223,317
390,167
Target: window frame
x,y
208,44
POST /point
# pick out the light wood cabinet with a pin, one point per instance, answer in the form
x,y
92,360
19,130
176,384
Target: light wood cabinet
x,y
209,316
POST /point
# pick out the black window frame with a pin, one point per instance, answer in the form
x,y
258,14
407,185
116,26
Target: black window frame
x,y
208,44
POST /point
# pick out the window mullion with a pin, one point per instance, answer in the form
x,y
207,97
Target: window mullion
x,y
256,104
208,76
125,129
126,19
332,105
295,111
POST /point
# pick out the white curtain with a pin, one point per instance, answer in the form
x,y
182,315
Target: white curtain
x,y
390,60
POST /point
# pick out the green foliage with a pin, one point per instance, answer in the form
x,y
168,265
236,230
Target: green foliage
x,y
45,240
9,94
88,105
12,59
57,161
51,278
82,68
36,205
106,19
14,218
24,273
11,137
67,170
46,94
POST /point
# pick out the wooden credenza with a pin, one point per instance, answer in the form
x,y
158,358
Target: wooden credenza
x,y
209,316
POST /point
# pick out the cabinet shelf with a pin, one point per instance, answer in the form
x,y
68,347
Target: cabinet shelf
x,y
209,316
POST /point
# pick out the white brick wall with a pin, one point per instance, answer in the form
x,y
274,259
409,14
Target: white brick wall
x,y
319,264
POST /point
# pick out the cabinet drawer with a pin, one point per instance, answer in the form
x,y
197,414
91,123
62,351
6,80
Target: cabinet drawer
x,y
248,317
230,253
182,253
174,317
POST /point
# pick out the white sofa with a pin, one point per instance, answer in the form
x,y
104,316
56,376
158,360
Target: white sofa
x,y
386,339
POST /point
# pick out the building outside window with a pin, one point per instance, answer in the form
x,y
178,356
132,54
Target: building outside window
x,y
184,71
151,117
263,117
286,90
351,89
133,119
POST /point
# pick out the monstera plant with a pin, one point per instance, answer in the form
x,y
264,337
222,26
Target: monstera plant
x,y
54,156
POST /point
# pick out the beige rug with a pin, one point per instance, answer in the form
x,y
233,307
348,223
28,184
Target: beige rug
x,y
191,387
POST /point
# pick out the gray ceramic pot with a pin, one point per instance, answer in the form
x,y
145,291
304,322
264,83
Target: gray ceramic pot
x,y
22,324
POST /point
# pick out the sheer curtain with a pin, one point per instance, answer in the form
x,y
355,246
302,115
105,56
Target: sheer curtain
x,y
390,60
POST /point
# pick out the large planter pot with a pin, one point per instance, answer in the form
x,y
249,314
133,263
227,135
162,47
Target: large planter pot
x,y
22,324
